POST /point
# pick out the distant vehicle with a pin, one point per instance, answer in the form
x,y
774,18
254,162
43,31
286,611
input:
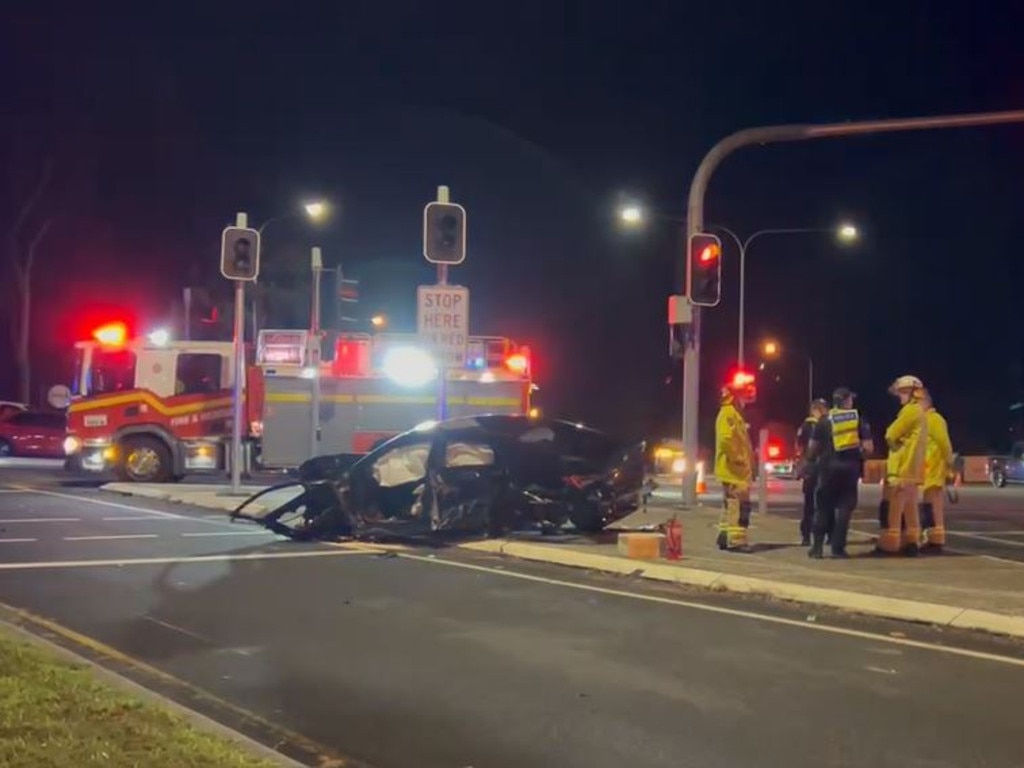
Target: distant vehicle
x,y
10,407
780,462
667,458
1007,470
33,434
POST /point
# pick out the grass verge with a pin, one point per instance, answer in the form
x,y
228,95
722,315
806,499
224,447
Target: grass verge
x,y
54,714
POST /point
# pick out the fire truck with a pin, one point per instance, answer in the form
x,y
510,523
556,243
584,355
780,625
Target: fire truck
x,y
153,409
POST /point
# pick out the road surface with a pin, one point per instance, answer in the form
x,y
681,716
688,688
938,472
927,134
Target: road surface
x,y
444,658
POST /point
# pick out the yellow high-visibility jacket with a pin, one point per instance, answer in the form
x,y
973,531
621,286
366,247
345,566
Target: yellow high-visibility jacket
x,y
938,458
907,438
734,455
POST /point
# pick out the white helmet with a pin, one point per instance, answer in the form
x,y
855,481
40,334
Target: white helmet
x,y
906,382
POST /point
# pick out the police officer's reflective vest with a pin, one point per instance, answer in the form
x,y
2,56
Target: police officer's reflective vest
x,y
845,429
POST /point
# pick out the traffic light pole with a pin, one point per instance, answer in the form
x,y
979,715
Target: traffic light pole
x,y
238,341
695,222
443,196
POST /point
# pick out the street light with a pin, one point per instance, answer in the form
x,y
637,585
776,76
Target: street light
x,y
631,215
316,209
846,233
773,350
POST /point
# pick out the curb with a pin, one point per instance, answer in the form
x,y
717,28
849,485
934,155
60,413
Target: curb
x,y
856,602
199,721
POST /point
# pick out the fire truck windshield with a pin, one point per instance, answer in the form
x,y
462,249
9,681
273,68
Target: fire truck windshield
x,y
112,370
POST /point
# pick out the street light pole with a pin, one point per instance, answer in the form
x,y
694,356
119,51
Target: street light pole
x,y
743,246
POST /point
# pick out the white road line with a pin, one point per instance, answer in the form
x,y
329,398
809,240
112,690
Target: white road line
x,y
42,564
981,655
148,518
16,541
230,533
992,539
41,520
112,538
117,505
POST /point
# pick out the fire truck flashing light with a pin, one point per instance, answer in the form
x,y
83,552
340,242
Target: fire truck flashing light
x,y
517,363
111,334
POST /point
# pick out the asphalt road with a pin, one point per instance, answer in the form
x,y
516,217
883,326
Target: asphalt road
x,y
442,658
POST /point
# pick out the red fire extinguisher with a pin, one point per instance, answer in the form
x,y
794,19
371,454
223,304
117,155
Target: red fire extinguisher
x,y
673,539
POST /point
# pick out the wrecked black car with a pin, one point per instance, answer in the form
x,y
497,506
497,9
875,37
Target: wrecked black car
x,y
482,474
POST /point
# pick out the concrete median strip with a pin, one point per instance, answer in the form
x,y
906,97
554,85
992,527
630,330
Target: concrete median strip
x,y
856,602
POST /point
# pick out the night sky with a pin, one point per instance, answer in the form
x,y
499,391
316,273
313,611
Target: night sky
x,y
542,117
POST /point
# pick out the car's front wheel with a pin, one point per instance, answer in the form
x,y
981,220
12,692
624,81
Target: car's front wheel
x,y
998,478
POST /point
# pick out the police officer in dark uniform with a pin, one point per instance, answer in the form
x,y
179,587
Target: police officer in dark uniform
x,y
839,442
808,473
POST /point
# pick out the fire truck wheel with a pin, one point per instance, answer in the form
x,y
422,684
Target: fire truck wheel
x,y
146,460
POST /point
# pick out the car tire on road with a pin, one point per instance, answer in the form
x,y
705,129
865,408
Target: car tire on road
x,y
6,449
144,459
998,478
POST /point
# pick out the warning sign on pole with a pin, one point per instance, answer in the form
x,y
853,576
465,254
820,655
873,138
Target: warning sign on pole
x,y
442,321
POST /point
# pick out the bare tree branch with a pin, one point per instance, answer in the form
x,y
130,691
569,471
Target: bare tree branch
x,y
33,199
30,254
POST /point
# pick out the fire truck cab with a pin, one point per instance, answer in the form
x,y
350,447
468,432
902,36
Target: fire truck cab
x,y
155,410
149,409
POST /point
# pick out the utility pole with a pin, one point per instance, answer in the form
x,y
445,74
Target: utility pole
x,y
443,196
695,222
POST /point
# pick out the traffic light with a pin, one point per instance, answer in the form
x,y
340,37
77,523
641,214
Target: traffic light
x,y
240,254
444,233
704,270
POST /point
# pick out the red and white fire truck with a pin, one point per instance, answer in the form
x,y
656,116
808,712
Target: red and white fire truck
x,y
153,410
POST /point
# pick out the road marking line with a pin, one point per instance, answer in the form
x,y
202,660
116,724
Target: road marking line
x,y
181,630
117,505
231,533
112,538
906,642
42,520
40,564
148,518
992,539
16,541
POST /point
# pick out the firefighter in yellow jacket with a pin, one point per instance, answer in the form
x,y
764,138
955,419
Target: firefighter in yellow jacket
x,y
907,439
734,462
938,470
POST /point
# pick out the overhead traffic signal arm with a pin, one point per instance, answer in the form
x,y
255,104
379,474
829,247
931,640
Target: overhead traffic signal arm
x,y
704,269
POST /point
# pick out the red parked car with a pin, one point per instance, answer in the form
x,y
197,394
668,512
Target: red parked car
x,y
33,433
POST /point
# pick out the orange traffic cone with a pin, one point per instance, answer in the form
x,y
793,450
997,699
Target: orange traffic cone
x,y
702,486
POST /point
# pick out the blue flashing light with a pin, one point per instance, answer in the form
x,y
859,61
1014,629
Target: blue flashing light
x,y
476,363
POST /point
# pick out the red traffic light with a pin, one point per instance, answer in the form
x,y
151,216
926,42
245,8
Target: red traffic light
x,y
704,269
708,253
